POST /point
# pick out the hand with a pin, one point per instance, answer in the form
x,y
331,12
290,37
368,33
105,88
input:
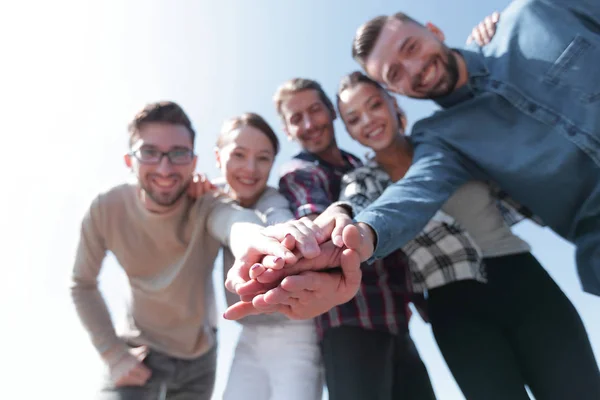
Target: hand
x,y
485,30
310,293
261,245
199,186
332,222
307,235
137,374
266,276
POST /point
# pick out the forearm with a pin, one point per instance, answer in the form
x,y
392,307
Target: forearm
x,y
240,235
94,315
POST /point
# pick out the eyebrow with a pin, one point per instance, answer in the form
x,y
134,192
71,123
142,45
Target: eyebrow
x,y
405,42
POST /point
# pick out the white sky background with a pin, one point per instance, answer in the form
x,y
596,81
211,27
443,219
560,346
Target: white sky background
x,y
73,73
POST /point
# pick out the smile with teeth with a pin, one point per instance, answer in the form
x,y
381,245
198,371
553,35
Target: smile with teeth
x,y
164,183
375,133
429,75
247,181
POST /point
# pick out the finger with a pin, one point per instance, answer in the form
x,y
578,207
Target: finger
x,y
289,242
477,37
314,228
490,28
305,240
238,275
256,270
305,281
254,287
350,263
268,246
273,262
341,221
354,239
275,296
470,38
240,310
495,17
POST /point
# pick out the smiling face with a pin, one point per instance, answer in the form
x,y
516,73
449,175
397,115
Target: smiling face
x,y
370,115
163,184
308,120
245,159
412,60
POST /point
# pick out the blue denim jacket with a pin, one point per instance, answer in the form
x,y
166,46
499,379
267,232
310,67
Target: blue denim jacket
x,y
528,119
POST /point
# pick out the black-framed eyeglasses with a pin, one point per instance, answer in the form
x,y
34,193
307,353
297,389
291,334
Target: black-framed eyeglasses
x,y
148,155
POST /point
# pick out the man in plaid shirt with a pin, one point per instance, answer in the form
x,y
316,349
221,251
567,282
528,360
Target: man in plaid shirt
x,y
311,182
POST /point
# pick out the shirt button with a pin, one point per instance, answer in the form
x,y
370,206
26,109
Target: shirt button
x,y
495,84
532,107
571,130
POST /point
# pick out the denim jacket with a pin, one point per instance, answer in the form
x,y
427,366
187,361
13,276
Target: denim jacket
x,y
528,119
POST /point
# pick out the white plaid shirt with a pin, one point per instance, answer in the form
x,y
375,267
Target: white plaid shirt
x,y
442,253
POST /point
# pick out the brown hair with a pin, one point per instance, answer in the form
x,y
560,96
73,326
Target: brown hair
x,y
296,85
368,33
247,119
354,78
163,111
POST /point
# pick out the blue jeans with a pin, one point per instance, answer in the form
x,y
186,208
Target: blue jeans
x,y
172,378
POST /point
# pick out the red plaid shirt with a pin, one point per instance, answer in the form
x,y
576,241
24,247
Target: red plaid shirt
x,y
311,185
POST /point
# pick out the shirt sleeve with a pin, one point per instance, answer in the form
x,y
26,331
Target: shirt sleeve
x,y
88,300
306,191
224,215
406,206
273,207
359,190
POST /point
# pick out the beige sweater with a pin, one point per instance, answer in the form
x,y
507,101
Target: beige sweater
x,y
168,259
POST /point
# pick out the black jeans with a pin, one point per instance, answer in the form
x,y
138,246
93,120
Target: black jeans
x,y
172,379
365,364
519,329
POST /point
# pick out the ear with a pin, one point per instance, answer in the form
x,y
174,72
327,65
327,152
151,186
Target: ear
x,y
437,32
127,159
218,157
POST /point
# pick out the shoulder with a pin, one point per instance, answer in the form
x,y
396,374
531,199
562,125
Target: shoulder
x,y
115,197
297,166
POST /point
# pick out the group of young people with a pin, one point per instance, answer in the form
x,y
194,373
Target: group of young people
x,y
320,272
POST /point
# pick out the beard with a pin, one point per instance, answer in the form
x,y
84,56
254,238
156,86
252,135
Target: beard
x,y
165,199
449,79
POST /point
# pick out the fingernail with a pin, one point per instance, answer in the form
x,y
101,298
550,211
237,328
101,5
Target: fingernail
x,y
288,235
277,259
255,267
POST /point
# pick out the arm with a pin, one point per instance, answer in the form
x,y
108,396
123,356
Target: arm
x,y
89,303
273,207
406,206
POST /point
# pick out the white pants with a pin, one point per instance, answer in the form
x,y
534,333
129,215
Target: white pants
x,y
276,362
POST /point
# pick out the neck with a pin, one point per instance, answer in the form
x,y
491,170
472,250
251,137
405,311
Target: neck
x,y
396,158
463,72
333,155
248,202
152,207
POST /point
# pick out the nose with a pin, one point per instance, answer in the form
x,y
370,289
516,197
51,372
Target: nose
x,y
250,164
307,121
164,167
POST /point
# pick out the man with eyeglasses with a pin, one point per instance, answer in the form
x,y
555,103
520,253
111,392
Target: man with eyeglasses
x,y
166,242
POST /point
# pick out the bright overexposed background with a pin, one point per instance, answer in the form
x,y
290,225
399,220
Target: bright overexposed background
x,y
73,73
